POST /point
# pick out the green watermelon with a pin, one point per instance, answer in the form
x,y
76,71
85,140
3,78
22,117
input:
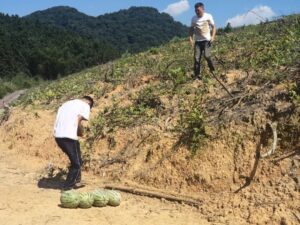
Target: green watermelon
x,y
69,199
86,200
100,198
114,197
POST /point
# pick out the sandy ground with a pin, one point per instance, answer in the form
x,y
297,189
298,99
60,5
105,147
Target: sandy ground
x,y
217,176
23,202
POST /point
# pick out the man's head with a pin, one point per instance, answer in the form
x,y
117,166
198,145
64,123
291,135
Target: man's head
x,y
89,100
199,9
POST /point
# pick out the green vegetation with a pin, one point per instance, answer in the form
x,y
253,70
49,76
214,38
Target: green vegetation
x,y
50,44
19,81
115,117
73,86
148,98
295,93
264,48
272,48
31,52
290,131
192,127
130,30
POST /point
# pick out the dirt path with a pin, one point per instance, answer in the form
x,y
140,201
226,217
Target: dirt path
x,y
9,98
23,202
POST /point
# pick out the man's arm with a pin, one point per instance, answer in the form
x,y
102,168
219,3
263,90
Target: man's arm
x,y
214,31
80,127
191,35
83,115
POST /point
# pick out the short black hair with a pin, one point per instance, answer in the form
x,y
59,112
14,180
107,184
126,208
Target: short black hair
x,y
90,99
199,4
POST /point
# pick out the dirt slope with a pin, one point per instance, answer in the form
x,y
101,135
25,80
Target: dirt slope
x,y
234,186
154,127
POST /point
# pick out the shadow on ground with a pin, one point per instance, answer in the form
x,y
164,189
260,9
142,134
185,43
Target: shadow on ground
x,y
56,182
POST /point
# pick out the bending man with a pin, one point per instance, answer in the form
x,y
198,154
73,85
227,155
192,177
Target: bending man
x,y
67,128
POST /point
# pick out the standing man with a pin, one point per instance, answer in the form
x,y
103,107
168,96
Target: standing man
x,y
201,34
67,128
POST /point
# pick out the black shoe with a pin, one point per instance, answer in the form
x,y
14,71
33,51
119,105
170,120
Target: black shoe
x,y
198,78
78,181
67,188
79,185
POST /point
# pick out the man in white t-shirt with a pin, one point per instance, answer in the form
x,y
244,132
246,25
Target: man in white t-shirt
x,y
201,35
67,128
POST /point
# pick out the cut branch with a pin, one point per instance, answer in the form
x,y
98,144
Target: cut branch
x,y
223,85
153,194
274,145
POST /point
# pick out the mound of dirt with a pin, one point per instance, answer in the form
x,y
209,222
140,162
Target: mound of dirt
x,y
227,174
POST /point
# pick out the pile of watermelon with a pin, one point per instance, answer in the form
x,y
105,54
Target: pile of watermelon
x,y
98,198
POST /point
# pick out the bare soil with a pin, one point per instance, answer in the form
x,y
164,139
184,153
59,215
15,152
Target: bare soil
x,y
233,184
23,202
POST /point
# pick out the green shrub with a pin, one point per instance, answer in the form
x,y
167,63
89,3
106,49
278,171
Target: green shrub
x,y
192,128
148,98
294,91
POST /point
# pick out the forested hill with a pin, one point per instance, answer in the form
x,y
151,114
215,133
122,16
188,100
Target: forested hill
x,y
59,41
42,51
132,30
31,52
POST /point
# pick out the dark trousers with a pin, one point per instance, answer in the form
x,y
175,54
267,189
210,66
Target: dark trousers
x,y
202,47
72,149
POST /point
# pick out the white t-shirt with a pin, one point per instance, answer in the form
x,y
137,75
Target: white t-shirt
x,y
66,123
202,26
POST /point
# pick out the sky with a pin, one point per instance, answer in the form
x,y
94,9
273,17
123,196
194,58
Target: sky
x,y
237,12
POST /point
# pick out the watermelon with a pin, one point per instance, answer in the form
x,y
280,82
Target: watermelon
x,y
114,197
86,200
100,198
69,199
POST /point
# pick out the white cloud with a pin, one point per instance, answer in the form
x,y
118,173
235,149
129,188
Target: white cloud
x,y
253,16
177,8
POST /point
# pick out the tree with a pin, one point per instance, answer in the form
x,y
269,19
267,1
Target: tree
x,y
228,28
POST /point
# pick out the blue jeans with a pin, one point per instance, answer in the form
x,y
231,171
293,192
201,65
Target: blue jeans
x,y
202,47
72,149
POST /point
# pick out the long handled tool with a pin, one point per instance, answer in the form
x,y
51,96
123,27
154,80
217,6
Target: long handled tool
x,y
214,75
226,89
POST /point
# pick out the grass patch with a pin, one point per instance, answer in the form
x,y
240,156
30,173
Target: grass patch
x,y
115,117
192,128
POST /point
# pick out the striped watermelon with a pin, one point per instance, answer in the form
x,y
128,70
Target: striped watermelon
x,y
114,197
69,199
100,198
86,200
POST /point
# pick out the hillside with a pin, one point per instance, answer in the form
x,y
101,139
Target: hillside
x,y
58,41
31,52
132,30
155,128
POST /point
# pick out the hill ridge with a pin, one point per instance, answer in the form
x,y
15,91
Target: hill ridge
x,y
128,29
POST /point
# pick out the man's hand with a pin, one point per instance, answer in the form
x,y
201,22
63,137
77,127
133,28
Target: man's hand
x,y
80,131
191,42
214,32
191,35
80,127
